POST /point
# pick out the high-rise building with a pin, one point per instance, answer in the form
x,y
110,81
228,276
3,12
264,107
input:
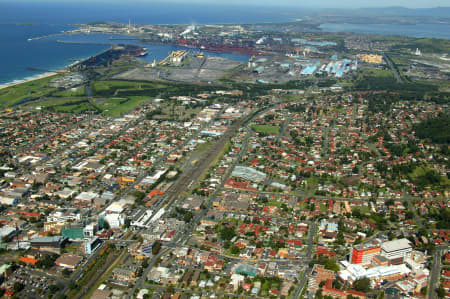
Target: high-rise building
x,y
363,253
396,251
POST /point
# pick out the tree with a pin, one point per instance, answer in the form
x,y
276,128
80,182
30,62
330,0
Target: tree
x,y
170,289
409,215
17,287
393,217
66,272
145,263
340,238
331,265
156,247
188,216
139,195
362,285
53,289
319,294
356,213
390,235
235,249
441,292
227,233
106,225
337,284
46,261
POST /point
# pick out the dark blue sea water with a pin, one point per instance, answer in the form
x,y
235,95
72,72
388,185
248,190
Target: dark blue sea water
x,y
155,51
16,53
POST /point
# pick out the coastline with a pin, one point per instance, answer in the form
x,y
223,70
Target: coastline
x,y
18,82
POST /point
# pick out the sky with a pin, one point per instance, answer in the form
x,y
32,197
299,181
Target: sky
x,y
296,3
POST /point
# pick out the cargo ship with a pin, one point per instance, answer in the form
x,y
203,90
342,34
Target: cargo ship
x,y
142,53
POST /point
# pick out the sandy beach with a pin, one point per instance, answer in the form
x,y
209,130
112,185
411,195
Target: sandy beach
x,y
26,81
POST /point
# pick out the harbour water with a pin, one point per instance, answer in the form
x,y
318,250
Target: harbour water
x,y
54,53
20,21
416,30
155,51
17,54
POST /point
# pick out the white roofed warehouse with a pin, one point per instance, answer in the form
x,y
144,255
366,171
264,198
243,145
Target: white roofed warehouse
x,y
396,251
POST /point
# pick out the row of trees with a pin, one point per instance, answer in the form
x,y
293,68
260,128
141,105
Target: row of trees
x,y
437,130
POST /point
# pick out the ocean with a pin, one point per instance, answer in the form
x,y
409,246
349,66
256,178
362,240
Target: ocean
x,y
20,21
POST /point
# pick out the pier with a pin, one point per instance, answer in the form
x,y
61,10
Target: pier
x,y
46,36
123,38
82,43
31,68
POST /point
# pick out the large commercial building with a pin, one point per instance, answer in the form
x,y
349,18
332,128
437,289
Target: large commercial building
x,y
351,273
363,253
49,244
7,232
91,245
249,174
68,261
396,251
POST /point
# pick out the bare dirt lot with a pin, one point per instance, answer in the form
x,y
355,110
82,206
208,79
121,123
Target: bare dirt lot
x,y
196,69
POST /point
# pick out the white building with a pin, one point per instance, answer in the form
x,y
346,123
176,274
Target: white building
x,y
115,220
354,272
396,251
7,232
116,207
142,220
86,196
236,280
90,230
65,215
8,201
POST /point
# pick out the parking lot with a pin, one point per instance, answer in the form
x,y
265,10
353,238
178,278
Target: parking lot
x,y
36,284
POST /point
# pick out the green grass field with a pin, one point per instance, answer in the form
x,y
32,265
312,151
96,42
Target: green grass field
x,y
112,87
65,105
110,97
55,102
304,206
364,209
111,107
107,85
379,73
75,108
117,106
265,129
75,92
32,89
274,202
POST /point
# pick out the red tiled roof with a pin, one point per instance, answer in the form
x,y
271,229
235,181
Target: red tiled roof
x,y
28,260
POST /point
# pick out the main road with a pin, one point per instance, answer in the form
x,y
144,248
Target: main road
x,y
189,228
393,68
308,257
433,283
